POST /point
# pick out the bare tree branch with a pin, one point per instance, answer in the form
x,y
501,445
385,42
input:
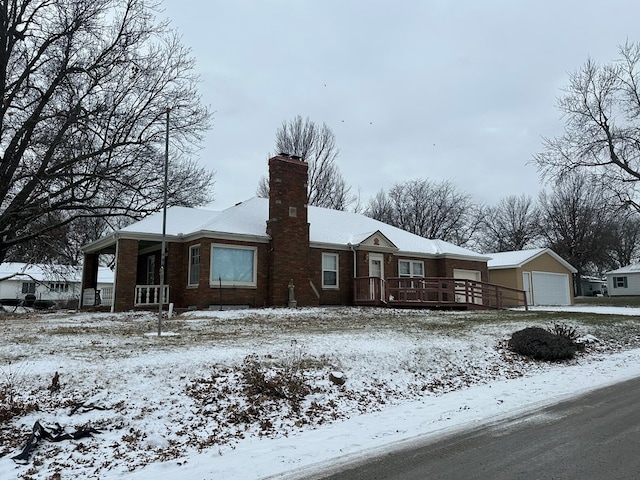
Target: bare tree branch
x,y
576,224
510,225
317,146
431,210
85,86
601,107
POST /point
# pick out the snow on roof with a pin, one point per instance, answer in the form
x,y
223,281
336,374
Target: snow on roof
x,y
633,268
512,259
179,220
50,273
517,258
332,227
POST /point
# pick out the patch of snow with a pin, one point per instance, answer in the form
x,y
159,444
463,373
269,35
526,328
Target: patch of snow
x,y
178,407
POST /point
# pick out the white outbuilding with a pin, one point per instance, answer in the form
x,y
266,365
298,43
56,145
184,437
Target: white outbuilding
x,y
624,281
53,284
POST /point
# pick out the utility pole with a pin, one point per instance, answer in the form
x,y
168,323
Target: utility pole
x,y
164,224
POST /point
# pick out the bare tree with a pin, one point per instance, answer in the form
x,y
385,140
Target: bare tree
x,y
601,107
62,246
574,224
512,224
428,209
317,146
86,86
624,246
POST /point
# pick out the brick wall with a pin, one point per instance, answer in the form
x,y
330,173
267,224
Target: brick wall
x,y
208,294
450,264
176,272
343,295
289,230
126,273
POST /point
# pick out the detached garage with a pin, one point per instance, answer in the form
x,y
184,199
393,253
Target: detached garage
x,y
546,278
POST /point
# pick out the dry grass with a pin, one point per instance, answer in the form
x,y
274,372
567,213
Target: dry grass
x,y
610,301
216,379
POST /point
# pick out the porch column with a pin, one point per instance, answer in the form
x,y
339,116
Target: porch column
x,y
89,274
126,274
176,272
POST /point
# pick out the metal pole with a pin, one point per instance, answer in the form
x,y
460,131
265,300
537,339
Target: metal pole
x,y
164,224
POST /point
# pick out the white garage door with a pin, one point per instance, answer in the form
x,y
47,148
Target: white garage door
x,y
551,288
463,294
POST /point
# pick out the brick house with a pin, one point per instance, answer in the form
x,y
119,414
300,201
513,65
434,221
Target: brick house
x,y
279,252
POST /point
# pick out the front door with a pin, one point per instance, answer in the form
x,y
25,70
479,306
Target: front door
x,y
376,272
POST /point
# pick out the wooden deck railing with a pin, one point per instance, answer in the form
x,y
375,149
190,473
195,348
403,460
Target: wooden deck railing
x,y
435,292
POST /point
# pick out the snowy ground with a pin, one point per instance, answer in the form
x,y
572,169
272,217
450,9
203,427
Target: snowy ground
x,y
247,395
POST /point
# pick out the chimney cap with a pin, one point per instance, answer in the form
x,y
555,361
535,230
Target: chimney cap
x,y
292,157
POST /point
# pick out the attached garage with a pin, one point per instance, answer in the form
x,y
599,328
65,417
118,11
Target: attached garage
x,y
546,278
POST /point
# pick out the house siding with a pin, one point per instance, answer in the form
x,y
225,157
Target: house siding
x,y
633,284
509,277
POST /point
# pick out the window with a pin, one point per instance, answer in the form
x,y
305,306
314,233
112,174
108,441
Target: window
x,y
619,282
28,287
233,266
329,270
194,265
410,268
59,287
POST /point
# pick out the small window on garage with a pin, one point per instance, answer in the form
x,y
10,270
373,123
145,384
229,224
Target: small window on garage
x,y
619,282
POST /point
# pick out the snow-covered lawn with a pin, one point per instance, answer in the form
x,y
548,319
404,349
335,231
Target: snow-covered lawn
x,y
247,394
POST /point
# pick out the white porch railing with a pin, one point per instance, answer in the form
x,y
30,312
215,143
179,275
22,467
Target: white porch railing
x,y
106,296
150,295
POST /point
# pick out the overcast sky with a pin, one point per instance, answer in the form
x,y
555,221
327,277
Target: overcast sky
x,y
458,90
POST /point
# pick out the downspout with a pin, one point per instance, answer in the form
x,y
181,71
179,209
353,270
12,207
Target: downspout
x,y
355,260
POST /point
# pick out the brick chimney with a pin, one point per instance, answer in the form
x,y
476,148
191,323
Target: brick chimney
x,y
288,227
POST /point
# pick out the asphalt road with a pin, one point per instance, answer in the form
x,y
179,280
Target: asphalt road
x,y
595,436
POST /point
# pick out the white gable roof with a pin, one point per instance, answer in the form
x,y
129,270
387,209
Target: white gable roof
x,y
327,227
517,258
633,268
